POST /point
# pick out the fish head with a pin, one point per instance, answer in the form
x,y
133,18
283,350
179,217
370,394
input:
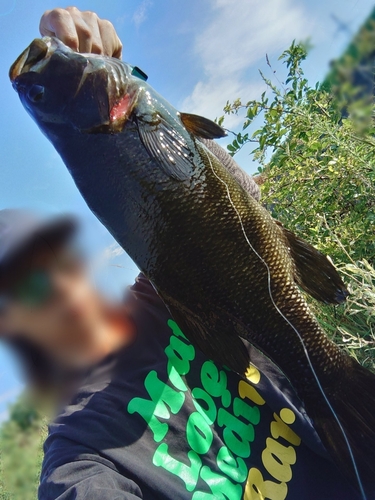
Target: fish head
x,y
59,87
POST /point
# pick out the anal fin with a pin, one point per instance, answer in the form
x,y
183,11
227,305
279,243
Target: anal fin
x,y
220,342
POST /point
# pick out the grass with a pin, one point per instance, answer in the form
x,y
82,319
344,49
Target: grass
x,y
352,325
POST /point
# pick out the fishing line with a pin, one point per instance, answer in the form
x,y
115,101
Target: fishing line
x,y
364,497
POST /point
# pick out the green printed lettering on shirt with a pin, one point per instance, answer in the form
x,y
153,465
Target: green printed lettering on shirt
x,y
155,408
237,435
233,467
188,473
176,329
180,354
199,434
246,411
215,382
176,378
221,487
204,404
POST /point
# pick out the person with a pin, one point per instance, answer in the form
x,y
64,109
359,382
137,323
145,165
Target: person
x,y
147,415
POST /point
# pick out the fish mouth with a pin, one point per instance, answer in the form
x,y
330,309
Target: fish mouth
x,y
34,58
102,83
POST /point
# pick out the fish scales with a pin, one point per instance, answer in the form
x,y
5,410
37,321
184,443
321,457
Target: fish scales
x,y
250,220
222,265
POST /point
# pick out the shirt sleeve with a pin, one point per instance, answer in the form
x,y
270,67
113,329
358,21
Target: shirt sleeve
x,y
86,476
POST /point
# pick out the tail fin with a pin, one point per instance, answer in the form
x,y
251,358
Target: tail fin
x,y
354,404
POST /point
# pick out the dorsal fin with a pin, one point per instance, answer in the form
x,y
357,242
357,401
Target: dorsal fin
x,y
202,127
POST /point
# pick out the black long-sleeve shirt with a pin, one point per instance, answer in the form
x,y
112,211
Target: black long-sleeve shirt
x,y
158,420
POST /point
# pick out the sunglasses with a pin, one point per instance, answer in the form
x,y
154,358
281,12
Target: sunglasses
x,y
37,287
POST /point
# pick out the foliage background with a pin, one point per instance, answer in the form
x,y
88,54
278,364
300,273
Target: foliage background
x,y
21,440
316,151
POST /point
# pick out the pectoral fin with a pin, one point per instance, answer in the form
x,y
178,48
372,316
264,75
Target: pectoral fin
x,y
202,127
168,147
314,273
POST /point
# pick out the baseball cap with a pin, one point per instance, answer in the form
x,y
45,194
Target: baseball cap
x,y
20,229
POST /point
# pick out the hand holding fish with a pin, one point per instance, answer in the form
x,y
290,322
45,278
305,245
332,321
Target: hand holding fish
x,y
81,31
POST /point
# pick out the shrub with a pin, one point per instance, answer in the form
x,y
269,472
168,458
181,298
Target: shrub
x,y
316,155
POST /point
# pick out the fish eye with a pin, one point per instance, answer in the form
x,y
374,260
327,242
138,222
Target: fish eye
x,y
35,93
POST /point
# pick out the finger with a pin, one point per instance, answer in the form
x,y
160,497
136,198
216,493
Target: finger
x,y
112,45
59,23
118,52
88,32
82,31
92,21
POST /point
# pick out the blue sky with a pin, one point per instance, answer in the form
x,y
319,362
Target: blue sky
x,y
197,53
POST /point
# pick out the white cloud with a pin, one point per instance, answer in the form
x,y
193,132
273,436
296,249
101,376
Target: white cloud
x,y
140,14
238,35
112,251
107,255
209,97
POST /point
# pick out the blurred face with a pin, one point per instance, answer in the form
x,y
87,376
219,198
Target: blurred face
x,y
52,303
